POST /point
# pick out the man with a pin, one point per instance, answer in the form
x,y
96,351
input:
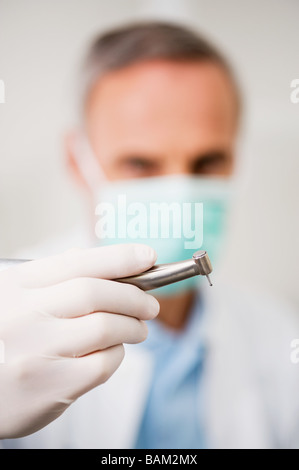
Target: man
x,y
160,113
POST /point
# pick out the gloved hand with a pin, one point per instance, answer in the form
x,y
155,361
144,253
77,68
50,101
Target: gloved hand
x,y
63,323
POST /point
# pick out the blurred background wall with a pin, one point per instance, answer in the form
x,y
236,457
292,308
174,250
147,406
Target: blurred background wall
x,y
41,45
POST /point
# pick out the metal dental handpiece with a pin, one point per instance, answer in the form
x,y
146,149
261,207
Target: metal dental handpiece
x,y
159,275
163,274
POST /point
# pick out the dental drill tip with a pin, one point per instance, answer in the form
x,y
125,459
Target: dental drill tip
x,y
208,278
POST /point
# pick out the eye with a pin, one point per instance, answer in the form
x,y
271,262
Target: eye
x,y
138,166
211,164
138,163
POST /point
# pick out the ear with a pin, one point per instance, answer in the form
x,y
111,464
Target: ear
x,y
69,142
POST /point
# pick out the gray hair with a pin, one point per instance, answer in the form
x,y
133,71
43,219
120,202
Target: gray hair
x,y
144,41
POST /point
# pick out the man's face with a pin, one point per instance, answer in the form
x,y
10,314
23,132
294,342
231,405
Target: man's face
x,y
160,118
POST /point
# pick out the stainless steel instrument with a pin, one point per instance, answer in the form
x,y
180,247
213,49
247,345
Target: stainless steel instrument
x,y
159,275
164,274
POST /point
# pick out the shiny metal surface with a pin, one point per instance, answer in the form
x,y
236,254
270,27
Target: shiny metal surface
x,y
159,275
163,274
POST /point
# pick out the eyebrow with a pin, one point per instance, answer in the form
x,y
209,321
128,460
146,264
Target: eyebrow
x,y
209,156
135,154
151,156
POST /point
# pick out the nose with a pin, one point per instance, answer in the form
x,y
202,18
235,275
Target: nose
x,y
177,168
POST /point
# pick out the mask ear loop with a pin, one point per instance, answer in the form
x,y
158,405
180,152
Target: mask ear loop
x,y
87,162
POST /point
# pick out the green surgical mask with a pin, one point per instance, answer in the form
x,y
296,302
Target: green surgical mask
x,y
176,215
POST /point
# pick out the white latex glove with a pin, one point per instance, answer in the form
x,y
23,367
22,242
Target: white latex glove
x,y
63,323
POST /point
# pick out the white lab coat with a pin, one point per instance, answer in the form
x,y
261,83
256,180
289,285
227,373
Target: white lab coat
x,y
250,386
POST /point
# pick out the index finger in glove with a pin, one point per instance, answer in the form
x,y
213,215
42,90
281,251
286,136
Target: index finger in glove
x,y
107,262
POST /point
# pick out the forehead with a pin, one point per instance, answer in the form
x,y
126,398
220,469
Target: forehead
x,y
158,97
